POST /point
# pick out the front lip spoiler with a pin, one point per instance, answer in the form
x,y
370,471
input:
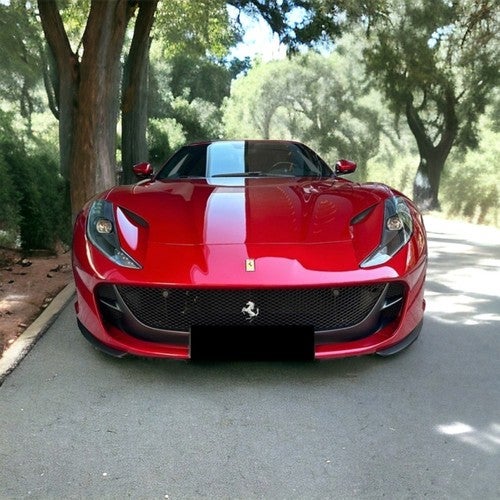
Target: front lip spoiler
x,y
98,344
406,342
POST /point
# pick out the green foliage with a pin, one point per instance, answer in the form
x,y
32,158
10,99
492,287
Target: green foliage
x,y
423,47
9,215
427,50
74,14
437,64
195,28
395,167
9,201
199,119
43,208
321,100
164,137
471,183
494,113
198,77
35,211
397,158
20,41
21,66
186,92
9,196
253,108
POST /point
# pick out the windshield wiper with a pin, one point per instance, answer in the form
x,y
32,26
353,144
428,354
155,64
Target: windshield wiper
x,y
254,174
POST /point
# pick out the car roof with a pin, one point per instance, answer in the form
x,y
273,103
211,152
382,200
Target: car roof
x,y
269,141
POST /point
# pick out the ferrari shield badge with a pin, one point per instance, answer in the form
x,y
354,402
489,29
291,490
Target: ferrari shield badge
x,y
250,265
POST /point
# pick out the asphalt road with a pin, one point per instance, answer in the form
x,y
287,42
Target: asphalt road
x,y
423,424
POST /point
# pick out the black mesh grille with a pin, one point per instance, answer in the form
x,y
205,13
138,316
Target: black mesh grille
x,y
323,308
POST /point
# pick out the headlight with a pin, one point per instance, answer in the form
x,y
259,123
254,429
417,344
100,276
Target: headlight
x,y
396,232
101,231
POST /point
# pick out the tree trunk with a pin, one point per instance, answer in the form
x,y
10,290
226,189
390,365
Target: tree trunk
x,y
93,160
88,94
66,83
135,93
426,183
432,158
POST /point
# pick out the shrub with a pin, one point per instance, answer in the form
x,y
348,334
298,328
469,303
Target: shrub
x,y
33,196
9,203
10,216
470,182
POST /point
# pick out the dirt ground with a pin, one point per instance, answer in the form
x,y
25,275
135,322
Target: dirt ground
x,y
27,286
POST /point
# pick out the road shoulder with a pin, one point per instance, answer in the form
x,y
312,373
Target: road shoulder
x,y
14,354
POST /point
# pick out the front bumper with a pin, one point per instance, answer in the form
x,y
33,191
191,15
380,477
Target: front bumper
x,y
134,319
124,311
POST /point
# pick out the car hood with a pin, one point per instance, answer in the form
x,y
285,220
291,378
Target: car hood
x,y
294,231
253,211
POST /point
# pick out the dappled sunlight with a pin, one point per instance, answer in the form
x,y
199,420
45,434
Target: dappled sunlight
x,y
449,307
11,300
463,276
437,227
446,245
482,278
455,310
487,440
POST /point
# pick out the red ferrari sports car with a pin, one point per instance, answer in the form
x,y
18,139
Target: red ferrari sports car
x,y
249,249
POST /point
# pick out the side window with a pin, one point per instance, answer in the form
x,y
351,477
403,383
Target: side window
x,y
314,164
177,166
188,161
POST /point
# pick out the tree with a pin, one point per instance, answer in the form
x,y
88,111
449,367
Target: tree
x,y
87,79
185,93
87,87
31,189
87,93
437,63
256,102
21,70
317,99
135,91
340,115
182,30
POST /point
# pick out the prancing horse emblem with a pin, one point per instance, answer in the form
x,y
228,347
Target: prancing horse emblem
x,y
250,311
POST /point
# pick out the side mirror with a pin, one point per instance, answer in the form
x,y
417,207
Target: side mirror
x,y
143,169
345,167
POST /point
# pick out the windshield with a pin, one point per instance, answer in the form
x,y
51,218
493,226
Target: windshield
x,y
245,159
